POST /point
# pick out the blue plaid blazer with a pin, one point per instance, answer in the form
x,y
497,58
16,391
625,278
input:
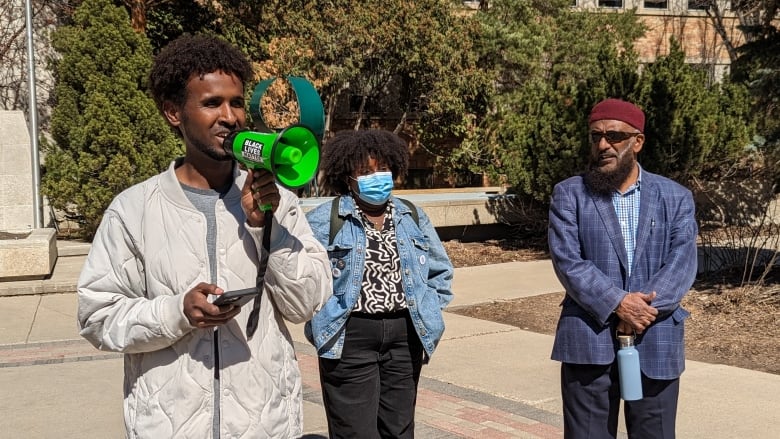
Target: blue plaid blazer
x,y
590,261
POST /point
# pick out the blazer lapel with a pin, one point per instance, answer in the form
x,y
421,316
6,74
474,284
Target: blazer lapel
x,y
607,212
648,208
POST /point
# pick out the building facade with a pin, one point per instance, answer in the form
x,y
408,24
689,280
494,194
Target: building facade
x,y
704,43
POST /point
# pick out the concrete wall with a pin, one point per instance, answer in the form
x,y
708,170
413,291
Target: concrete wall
x,y
16,185
25,252
451,209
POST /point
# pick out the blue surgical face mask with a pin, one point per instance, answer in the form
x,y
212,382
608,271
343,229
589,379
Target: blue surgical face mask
x,y
375,188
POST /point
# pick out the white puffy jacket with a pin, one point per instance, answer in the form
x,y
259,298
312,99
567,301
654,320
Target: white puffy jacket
x,y
149,250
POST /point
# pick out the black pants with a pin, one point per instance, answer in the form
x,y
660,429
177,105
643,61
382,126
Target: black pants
x,y
591,402
371,391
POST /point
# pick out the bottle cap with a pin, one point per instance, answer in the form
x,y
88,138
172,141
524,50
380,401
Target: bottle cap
x,y
625,340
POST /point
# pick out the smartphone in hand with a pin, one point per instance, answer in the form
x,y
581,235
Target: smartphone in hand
x,y
237,297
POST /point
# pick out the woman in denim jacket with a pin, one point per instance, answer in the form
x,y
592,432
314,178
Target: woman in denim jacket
x,y
391,280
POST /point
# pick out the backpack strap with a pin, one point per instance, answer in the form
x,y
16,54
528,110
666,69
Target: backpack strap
x,y
413,208
337,222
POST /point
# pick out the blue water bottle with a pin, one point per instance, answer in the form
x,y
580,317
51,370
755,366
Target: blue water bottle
x,y
628,369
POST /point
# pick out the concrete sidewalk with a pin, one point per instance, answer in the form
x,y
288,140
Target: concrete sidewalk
x,y
486,379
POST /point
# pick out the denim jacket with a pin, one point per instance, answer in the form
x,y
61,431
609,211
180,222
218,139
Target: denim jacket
x,y
426,273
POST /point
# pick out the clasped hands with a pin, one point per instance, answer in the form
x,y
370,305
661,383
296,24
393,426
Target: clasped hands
x,y
635,312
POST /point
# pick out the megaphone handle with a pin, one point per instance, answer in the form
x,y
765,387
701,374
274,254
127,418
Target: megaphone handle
x,y
266,208
262,266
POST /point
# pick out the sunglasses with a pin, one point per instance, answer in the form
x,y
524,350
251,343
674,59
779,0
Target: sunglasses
x,y
612,137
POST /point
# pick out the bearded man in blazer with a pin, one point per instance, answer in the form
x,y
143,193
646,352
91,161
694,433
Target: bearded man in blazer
x,y
623,245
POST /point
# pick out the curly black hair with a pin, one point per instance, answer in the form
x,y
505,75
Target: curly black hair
x,y
191,55
349,150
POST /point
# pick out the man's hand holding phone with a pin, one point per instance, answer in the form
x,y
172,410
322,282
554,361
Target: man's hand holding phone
x,y
203,314
236,297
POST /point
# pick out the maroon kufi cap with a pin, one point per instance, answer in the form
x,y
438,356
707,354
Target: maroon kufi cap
x,y
615,109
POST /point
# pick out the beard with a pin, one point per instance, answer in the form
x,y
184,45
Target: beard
x,y
203,142
205,148
606,182
217,154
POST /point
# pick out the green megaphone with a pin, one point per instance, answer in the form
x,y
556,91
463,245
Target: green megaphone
x,y
292,155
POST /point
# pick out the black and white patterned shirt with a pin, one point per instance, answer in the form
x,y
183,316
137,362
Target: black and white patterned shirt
x,y
382,290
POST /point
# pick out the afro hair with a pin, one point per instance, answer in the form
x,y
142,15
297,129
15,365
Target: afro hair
x,y
191,55
349,150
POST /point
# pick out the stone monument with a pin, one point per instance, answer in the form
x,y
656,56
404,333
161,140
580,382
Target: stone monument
x,y
26,252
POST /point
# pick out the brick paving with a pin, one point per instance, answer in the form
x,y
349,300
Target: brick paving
x,y
443,410
31,354
448,411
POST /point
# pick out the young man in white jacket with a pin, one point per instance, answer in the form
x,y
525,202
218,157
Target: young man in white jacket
x,y
167,246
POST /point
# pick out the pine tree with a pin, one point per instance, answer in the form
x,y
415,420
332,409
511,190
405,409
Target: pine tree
x,y
106,131
553,64
693,130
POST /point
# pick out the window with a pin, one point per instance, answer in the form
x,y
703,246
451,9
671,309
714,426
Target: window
x,y
610,4
700,5
656,4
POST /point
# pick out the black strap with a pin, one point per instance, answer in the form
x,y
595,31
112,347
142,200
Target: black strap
x,y
337,222
262,266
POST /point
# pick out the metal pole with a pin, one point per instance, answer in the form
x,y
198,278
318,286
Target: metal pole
x,y
36,165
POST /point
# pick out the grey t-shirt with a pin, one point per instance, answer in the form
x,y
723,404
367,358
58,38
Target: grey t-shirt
x,y
205,200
